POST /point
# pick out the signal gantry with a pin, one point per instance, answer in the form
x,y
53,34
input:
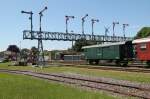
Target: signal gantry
x,y
44,35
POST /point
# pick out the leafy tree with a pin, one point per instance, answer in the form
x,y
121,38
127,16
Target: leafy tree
x,y
13,49
144,32
46,52
82,42
53,53
1,54
24,53
34,55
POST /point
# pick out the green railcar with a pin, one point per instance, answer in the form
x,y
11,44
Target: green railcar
x,y
118,52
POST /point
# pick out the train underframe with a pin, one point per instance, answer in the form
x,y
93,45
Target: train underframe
x,y
117,62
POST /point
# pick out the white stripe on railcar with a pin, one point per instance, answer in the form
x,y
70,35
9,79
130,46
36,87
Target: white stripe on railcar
x,y
104,45
143,40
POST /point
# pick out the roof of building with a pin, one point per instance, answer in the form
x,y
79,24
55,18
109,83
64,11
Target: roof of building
x,y
104,45
143,40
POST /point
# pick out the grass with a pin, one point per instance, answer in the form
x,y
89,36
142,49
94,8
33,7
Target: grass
x,y
130,76
26,87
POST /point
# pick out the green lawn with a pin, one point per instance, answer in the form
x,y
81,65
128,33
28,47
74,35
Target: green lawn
x,y
26,87
131,76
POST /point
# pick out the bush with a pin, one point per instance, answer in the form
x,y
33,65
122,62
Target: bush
x,y
5,60
22,63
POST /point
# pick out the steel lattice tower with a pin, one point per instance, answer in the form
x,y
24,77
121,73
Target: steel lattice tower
x,y
41,59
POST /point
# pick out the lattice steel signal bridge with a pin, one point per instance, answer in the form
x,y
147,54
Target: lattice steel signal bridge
x,y
43,35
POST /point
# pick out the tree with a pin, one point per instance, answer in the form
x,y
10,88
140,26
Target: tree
x,y
144,32
34,55
82,42
53,54
25,53
14,49
46,52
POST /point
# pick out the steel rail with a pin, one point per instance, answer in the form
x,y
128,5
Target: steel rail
x,y
109,67
59,77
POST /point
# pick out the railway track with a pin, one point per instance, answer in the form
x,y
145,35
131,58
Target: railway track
x,y
136,66
139,91
107,67
128,69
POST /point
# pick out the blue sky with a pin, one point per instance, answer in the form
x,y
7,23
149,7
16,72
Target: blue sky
x,y
12,22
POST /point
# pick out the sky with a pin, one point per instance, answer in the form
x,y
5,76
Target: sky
x,y
12,22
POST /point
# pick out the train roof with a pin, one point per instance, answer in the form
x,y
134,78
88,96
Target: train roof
x,y
143,40
104,45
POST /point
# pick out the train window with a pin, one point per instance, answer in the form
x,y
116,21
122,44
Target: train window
x,y
143,46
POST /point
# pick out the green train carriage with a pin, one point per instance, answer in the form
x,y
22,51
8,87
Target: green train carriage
x,y
120,52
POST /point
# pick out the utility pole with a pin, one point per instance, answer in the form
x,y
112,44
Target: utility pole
x,y
114,24
124,27
93,21
106,30
83,20
67,19
30,18
40,43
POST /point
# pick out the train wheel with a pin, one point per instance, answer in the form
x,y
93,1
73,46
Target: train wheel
x,y
148,64
91,62
124,64
96,62
121,63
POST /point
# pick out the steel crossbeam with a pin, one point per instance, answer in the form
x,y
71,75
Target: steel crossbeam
x,y
34,35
